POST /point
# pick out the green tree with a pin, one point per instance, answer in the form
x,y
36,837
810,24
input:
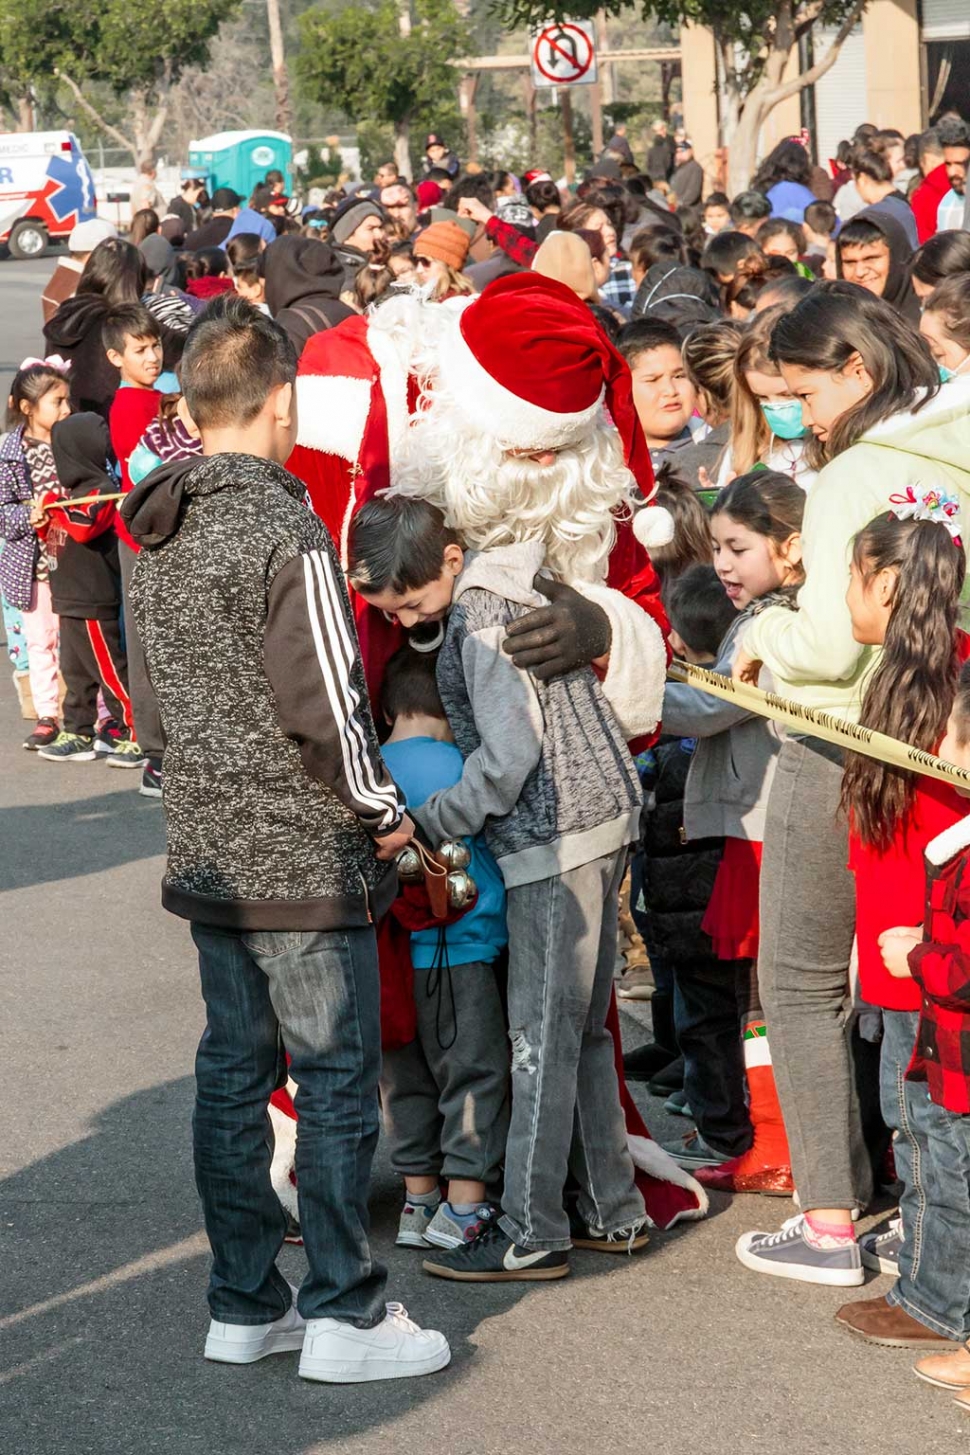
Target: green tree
x,y
754,43
385,61
134,47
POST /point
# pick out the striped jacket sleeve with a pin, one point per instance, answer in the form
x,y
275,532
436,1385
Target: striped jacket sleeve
x,y
313,663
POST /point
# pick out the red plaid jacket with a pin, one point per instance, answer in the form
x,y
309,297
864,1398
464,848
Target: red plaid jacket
x,y
941,968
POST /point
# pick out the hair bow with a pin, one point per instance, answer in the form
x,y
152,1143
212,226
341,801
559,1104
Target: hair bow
x,y
933,505
55,361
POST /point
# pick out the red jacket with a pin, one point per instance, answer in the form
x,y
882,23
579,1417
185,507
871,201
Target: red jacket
x,y
941,970
132,411
926,200
890,887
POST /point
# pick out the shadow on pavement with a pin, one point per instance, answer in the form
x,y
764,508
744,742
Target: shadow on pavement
x,y
103,1309
46,842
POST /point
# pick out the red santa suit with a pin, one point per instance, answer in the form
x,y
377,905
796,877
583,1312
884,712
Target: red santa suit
x,y
357,387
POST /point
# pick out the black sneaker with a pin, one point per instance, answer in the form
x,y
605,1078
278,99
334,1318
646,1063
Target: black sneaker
x,y
494,1258
151,780
43,735
647,1061
68,748
107,737
623,1240
669,1078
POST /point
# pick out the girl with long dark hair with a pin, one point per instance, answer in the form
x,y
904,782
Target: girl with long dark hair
x,y
869,391
114,275
907,573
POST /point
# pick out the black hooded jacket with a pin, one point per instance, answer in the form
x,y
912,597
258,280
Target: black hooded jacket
x,y
274,782
677,294
81,546
304,279
899,287
74,332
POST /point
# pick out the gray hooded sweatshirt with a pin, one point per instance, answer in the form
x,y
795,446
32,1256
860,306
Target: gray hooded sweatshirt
x,y
547,773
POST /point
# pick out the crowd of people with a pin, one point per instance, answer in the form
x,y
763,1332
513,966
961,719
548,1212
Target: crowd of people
x,y
368,532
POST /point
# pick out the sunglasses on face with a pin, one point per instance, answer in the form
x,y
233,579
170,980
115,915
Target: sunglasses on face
x,y
423,262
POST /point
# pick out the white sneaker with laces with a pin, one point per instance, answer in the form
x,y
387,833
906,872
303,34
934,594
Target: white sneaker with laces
x,y
245,1343
338,1353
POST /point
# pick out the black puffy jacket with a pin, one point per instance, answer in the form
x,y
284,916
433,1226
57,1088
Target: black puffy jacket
x,y
678,877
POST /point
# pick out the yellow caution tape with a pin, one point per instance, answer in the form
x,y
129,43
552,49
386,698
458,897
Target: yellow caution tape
x,y
810,722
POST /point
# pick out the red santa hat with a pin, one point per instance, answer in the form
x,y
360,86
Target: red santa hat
x,y
528,364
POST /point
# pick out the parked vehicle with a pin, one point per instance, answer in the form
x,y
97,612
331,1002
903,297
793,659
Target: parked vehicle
x,y
46,188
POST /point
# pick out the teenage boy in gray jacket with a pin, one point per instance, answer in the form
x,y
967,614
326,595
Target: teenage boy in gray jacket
x,y
549,778
281,820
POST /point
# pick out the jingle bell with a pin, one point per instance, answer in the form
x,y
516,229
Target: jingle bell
x,y
409,867
462,889
455,854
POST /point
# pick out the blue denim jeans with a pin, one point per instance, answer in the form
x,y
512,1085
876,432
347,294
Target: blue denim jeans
x,y
318,995
932,1149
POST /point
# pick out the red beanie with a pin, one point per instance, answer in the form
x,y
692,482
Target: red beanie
x,y
429,194
529,364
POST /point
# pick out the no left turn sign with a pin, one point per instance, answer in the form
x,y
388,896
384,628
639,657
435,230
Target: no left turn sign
x,y
564,54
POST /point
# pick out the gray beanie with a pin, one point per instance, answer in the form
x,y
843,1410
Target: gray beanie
x,y
350,215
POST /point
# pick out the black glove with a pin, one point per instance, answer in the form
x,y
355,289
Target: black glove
x,y
570,633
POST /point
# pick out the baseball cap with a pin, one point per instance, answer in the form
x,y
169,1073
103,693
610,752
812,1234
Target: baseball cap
x,y
85,237
434,140
223,198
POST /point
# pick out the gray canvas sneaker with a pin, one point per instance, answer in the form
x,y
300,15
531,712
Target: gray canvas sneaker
x,y
880,1251
787,1254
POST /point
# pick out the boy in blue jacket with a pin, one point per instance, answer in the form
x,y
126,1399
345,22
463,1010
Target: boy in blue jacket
x,y
445,1094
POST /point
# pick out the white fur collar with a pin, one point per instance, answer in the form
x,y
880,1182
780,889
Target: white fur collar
x,y
949,843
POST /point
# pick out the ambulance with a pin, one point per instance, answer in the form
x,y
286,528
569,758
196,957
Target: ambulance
x,y
46,189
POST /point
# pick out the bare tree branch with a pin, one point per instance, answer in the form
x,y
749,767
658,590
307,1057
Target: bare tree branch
x,y
816,72
95,115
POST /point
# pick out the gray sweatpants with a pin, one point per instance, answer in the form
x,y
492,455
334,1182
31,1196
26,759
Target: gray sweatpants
x,y
446,1094
807,927
144,706
566,1114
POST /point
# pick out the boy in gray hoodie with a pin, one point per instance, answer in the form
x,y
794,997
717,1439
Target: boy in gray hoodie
x,y
549,778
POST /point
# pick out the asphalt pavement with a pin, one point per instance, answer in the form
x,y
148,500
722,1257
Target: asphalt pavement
x,y
677,1350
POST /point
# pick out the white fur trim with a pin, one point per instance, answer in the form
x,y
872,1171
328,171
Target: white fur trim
x,y
284,1159
394,386
949,843
634,682
653,526
650,1157
332,413
496,411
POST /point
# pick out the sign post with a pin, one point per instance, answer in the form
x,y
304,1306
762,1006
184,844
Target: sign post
x,y
564,55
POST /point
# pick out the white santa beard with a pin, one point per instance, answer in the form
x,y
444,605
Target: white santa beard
x,y
493,500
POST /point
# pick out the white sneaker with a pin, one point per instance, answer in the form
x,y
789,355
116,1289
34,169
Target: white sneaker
x,y
245,1343
339,1353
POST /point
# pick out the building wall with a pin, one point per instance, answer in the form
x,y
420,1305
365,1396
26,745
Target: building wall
x,y
699,81
893,90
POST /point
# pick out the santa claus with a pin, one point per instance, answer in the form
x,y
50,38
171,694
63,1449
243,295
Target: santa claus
x,y
418,394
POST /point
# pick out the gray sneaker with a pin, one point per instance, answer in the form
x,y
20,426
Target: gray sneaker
x,y
880,1251
413,1226
448,1229
693,1151
787,1254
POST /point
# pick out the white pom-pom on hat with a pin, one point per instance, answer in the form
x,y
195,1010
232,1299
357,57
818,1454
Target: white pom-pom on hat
x,y
653,526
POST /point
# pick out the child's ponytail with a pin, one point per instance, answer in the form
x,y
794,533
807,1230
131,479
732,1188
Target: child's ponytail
x,y
911,692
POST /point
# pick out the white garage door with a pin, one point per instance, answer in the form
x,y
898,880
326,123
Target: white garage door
x,y
840,96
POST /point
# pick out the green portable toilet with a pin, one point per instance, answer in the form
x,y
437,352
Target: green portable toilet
x,y
241,159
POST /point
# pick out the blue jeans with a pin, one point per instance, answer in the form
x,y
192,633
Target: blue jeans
x,y
318,995
932,1149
